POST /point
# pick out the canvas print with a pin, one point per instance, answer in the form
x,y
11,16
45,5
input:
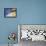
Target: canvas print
x,y
33,32
10,12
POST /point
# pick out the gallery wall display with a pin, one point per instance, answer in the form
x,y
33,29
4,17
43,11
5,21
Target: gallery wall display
x,y
10,12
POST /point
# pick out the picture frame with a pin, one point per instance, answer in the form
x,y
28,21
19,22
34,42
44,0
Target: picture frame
x,y
37,29
10,12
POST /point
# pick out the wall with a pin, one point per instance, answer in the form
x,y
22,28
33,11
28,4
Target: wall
x,y
33,12
28,12
7,25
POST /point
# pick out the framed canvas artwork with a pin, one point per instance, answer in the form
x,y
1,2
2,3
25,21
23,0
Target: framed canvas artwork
x,y
10,12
